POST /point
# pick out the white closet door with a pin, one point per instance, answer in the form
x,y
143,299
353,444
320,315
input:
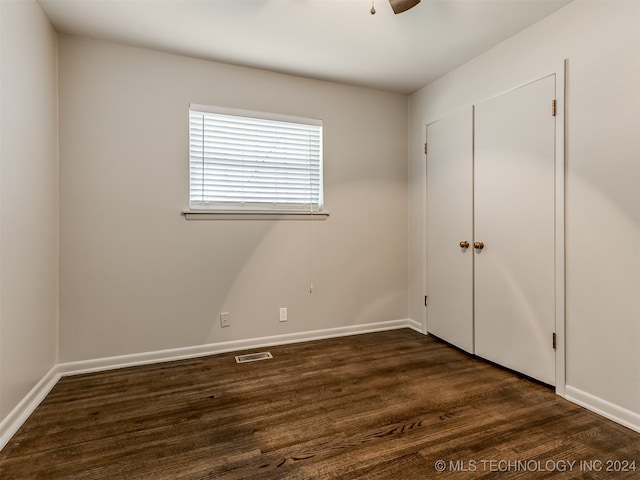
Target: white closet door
x,y
449,222
514,218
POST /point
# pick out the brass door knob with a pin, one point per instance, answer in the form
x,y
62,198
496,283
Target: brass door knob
x,y
464,244
478,245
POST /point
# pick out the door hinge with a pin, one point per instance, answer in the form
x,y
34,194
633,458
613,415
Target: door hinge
x,y
554,104
426,300
425,148
553,340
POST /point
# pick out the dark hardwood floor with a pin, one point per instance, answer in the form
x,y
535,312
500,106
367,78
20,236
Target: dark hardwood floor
x,y
387,405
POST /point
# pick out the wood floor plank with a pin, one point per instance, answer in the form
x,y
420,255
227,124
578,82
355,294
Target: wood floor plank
x,y
385,405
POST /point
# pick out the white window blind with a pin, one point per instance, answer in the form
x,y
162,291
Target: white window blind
x,y
254,161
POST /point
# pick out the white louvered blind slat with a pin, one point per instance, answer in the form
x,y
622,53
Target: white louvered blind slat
x,y
243,163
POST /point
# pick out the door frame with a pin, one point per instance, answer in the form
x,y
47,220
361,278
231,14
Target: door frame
x,y
560,242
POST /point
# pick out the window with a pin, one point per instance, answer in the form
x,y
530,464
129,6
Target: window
x,y
253,162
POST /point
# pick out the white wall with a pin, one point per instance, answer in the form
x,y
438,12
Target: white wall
x,y
137,277
601,39
28,200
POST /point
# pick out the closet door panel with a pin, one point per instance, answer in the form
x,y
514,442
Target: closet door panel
x,y
514,219
449,222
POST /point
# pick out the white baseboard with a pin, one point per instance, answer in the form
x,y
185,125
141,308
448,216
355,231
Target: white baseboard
x,y
415,326
12,422
602,407
147,358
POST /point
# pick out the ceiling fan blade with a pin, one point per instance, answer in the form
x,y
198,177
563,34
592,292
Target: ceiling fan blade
x,y
400,6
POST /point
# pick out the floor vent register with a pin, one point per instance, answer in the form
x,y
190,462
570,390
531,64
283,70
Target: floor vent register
x,y
253,357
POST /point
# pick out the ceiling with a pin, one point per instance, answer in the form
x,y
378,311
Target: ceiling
x,y
337,40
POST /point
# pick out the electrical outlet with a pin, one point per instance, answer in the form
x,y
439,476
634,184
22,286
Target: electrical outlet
x,y
225,321
283,314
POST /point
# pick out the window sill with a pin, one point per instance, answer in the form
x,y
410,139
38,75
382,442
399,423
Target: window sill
x,y
253,215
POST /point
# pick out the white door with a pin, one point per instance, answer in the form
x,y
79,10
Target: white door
x,y
450,222
514,219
